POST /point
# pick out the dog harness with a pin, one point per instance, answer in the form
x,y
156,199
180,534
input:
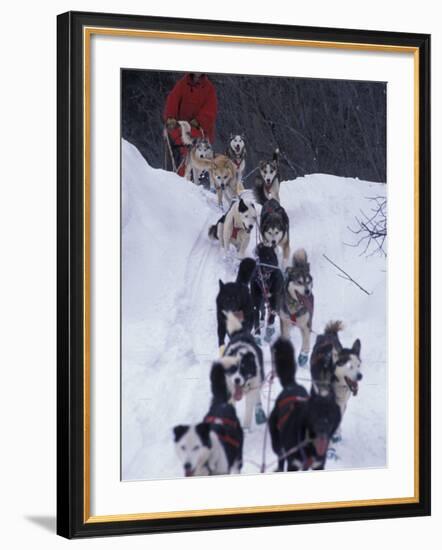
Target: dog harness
x,y
300,306
288,402
224,421
235,231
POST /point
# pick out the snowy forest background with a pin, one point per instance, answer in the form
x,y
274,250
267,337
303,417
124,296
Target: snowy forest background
x,y
320,126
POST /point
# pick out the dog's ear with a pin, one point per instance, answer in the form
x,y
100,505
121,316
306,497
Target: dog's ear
x,y
179,431
356,348
242,206
232,135
203,430
221,284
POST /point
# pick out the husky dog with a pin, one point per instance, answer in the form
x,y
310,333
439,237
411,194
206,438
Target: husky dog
x,y
322,368
214,446
244,368
235,226
266,287
347,364
274,227
267,182
292,394
236,151
199,152
223,177
235,298
297,303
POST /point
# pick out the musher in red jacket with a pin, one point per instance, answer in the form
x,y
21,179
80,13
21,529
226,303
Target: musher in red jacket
x,y
193,98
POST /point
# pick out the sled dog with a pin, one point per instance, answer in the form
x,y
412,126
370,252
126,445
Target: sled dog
x,y
347,364
274,227
214,446
291,396
199,152
244,368
235,226
235,298
322,368
223,177
268,180
236,151
266,288
300,426
297,302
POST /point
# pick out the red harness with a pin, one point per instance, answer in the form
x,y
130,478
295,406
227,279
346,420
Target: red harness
x,y
235,231
221,420
224,422
290,400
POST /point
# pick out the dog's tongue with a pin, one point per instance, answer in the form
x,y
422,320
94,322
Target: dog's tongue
x,y
354,386
321,444
239,315
237,393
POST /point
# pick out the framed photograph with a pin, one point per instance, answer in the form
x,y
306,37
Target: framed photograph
x,y
243,274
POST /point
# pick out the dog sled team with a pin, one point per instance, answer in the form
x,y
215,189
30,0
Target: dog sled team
x,y
301,424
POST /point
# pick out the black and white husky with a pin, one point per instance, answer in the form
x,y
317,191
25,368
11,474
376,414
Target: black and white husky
x,y
300,426
236,151
274,227
266,288
297,303
244,367
214,446
234,297
346,363
268,180
235,226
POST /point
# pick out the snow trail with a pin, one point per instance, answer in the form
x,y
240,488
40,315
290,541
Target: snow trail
x,y
170,273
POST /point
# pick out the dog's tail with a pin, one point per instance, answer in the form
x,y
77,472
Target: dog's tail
x,y
299,258
218,383
245,270
283,357
276,154
185,132
213,233
333,327
258,191
233,324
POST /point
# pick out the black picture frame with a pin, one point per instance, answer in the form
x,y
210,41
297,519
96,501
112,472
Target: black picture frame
x,y
72,520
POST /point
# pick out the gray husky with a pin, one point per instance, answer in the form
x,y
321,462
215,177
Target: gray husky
x,y
268,181
200,151
297,302
275,228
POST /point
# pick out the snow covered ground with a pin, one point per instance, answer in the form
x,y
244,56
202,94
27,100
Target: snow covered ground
x,y
170,273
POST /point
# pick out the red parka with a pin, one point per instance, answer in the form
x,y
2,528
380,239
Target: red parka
x,y
189,99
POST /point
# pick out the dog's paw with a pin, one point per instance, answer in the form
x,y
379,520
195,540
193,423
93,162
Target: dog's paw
x,y
302,359
260,415
331,454
270,331
336,438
